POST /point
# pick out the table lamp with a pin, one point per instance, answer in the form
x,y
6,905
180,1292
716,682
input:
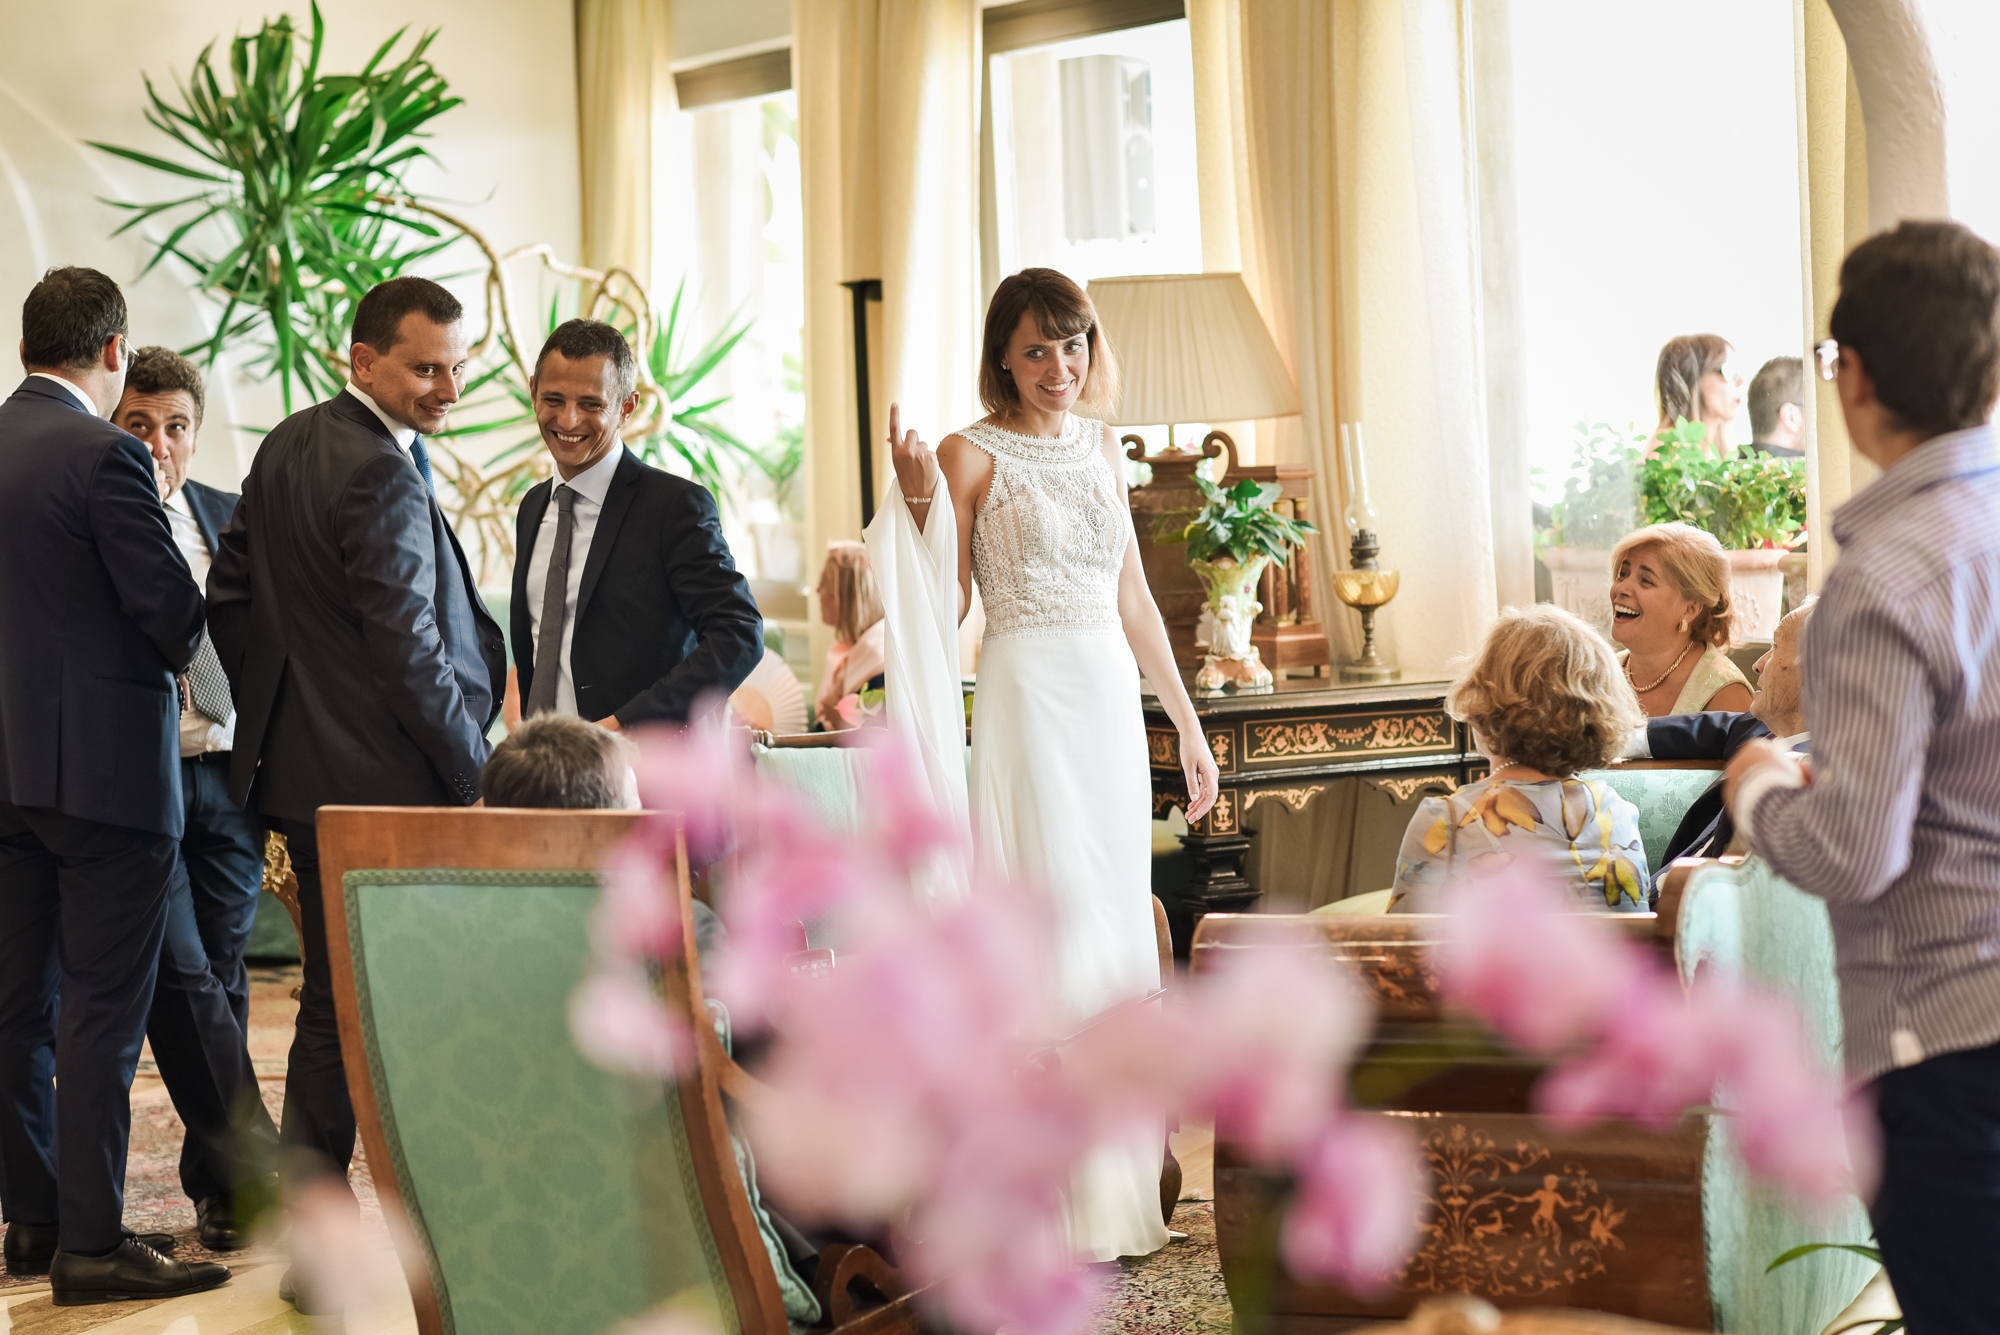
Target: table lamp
x,y
1193,348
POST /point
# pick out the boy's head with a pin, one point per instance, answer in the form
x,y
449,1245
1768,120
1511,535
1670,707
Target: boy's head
x,y
1918,328
558,761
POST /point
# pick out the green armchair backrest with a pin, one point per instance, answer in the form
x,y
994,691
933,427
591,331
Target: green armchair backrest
x,y
1662,796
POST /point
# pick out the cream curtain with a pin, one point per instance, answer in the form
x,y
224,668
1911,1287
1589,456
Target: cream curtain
x,y
1833,194
888,96
625,106
1357,229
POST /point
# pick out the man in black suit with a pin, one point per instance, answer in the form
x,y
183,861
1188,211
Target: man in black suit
x,y
1778,710
627,606
201,1005
98,612
364,665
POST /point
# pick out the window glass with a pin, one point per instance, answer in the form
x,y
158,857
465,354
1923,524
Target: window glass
x,y
1094,160
1656,159
733,226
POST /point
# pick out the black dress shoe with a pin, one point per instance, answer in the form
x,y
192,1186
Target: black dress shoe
x,y
216,1225
30,1247
133,1271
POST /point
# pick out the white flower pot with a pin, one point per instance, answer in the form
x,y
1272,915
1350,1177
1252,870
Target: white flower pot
x,y
1580,578
1757,589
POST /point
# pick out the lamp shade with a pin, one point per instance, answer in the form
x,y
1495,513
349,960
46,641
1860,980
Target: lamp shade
x,y
1191,348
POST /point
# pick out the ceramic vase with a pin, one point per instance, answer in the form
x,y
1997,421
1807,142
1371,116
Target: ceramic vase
x,y
1232,605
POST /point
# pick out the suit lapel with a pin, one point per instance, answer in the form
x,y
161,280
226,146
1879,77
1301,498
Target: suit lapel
x,y
624,489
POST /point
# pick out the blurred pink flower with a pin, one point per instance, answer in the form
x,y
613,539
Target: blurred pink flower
x,y
617,1021
1521,956
702,773
902,814
639,915
1361,1194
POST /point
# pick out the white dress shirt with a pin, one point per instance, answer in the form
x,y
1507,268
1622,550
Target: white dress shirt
x,y
404,435
75,390
590,486
199,733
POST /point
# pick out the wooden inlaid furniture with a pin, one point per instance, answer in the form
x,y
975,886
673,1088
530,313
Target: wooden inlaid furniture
x,y
1323,777
1608,1219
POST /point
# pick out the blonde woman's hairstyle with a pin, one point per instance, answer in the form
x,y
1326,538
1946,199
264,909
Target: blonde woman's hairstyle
x,y
1062,310
857,605
1695,564
1545,690
1677,375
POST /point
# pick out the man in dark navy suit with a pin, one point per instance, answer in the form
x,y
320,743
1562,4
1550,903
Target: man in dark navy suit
x,y
365,668
98,614
201,1005
1778,710
627,607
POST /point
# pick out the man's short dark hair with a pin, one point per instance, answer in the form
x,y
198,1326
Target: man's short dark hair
x,y
578,339
556,761
378,319
68,318
1780,381
158,370
1921,306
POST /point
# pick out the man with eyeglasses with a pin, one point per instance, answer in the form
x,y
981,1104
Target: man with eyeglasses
x,y
98,615
1895,821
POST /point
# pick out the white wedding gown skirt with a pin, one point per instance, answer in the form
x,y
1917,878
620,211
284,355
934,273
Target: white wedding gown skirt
x,y
1061,798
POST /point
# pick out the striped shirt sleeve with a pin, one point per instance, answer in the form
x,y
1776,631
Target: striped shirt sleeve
x,y
1869,701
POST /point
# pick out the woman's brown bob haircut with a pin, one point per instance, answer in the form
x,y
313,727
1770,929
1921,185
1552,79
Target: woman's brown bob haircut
x,y
1545,690
1695,564
1677,376
1061,311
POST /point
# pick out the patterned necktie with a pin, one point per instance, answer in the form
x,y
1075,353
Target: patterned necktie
x,y
421,457
555,607
208,686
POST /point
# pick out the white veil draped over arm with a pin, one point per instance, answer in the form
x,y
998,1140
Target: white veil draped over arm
x,y
916,574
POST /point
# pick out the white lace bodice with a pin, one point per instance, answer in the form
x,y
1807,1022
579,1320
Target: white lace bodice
x,y
1050,539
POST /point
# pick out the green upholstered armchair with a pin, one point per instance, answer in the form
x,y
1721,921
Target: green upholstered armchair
x,y
544,1194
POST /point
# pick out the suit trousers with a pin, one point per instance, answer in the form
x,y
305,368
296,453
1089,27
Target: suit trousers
x,y
198,1039
82,916
317,1128
1937,1216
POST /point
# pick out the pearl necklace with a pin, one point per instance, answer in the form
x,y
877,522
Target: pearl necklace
x,y
1659,680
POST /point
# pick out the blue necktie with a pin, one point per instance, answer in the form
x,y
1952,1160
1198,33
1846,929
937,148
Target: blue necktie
x,y
421,457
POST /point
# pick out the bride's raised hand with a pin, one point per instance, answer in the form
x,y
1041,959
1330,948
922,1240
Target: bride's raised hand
x,y
1203,779
914,460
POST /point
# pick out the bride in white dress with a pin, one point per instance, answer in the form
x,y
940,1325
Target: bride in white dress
x,y
1059,795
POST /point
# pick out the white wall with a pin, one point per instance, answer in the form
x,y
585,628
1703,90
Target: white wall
x,y
70,73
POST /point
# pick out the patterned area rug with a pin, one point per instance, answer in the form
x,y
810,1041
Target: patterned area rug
x,y
1178,1288
154,1202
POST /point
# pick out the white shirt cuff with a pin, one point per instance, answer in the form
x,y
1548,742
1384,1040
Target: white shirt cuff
x,y
1758,782
1637,746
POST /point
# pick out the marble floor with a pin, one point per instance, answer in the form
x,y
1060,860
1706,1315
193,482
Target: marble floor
x,y
247,1305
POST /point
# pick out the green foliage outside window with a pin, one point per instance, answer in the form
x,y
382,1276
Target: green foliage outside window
x,y
1748,500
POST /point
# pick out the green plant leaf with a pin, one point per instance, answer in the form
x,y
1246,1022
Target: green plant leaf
x,y
1808,1248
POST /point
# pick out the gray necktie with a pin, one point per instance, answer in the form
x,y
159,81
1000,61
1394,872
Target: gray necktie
x,y
555,604
208,686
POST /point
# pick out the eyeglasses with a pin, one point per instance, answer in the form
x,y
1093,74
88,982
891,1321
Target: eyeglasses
x,y
1827,353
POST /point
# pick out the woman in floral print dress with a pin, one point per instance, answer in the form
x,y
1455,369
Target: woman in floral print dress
x,y
1545,700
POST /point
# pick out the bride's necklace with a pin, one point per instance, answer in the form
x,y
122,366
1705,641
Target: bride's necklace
x,y
1659,680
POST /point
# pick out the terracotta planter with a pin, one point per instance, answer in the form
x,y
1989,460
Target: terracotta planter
x,y
1580,579
1757,588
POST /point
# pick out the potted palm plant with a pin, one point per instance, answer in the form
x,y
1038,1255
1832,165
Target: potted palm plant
x,y
1229,542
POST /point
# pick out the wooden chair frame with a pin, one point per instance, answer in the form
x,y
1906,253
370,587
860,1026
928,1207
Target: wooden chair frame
x,y
369,838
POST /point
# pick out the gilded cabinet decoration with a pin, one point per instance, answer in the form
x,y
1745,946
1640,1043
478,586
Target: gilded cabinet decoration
x,y
1163,748
1223,746
1360,735
1295,798
1508,1220
1221,818
1405,789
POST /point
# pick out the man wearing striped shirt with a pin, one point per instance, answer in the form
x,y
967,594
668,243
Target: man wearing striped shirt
x,y
1895,820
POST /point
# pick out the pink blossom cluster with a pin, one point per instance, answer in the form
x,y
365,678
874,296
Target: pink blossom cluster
x,y
930,1083
1632,1043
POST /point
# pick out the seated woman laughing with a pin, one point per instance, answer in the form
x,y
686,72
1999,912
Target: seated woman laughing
x,y
1545,699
